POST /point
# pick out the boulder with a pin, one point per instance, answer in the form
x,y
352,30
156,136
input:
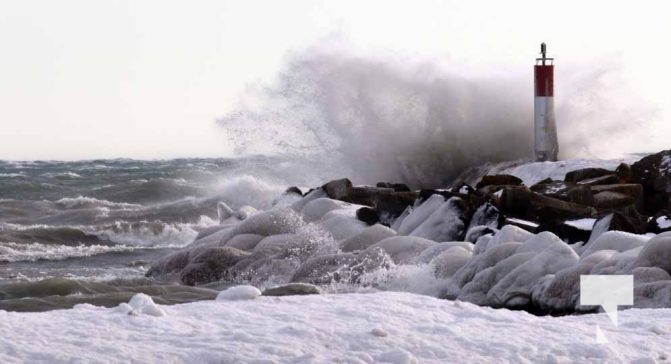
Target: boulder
x,y
654,173
397,187
499,180
368,215
602,180
586,174
211,265
339,189
523,203
392,205
292,289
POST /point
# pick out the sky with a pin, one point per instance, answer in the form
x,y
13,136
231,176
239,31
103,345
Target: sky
x,y
83,79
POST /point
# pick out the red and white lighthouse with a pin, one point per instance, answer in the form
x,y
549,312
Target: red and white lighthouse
x,y
546,146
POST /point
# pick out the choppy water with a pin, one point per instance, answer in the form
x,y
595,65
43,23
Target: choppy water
x,y
86,231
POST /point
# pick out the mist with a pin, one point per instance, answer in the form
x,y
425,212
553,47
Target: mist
x,y
421,121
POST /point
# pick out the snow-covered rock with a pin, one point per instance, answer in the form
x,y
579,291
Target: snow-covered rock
x,y
237,293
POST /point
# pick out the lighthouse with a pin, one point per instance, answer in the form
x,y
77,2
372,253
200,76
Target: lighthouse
x,y
546,146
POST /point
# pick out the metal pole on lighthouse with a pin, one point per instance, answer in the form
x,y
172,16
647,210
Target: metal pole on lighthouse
x,y
546,146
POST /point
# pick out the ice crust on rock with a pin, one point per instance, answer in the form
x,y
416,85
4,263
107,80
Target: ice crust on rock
x,y
238,293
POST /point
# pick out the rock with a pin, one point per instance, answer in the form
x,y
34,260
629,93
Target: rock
x,y
656,253
325,269
238,293
368,215
499,180
211,264
618,195
654,173
397,187
585,174
488,215
617,221
172,263
611,200
602,180
392,205
581,195
572,234
294,190
624,173
292,289
339,189
521,202
366,195
366,238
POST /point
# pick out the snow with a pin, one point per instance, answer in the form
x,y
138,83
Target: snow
x,y
243,292
380,327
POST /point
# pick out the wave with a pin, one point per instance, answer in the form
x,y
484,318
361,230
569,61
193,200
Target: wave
x,y
377,117
16,252
83,202
63,175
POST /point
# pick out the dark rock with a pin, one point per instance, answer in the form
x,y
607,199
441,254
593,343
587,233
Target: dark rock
x,y
339,189
211,264
523,203
585,174
620,222
602,180
624,173
294,190
172,263
393,204
654,173
581,195
366,195
397,187
572,234
499,180
618,195
292,289
368,215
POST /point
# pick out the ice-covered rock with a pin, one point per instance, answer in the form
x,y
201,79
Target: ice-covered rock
x,y
446,223
239,293
514,290
615,240
141,304
366,238
292,289
450,261
656,253
508,234
403,249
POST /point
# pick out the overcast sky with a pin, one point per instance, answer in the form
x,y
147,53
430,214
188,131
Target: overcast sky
x,y
84,79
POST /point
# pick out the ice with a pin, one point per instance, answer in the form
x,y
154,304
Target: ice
x,y
444,224
420,214
508,234
581,224
313,329
243,292
656,253
366,238
314,210
615,240
141,304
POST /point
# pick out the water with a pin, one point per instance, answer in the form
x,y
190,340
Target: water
x,y
86,231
